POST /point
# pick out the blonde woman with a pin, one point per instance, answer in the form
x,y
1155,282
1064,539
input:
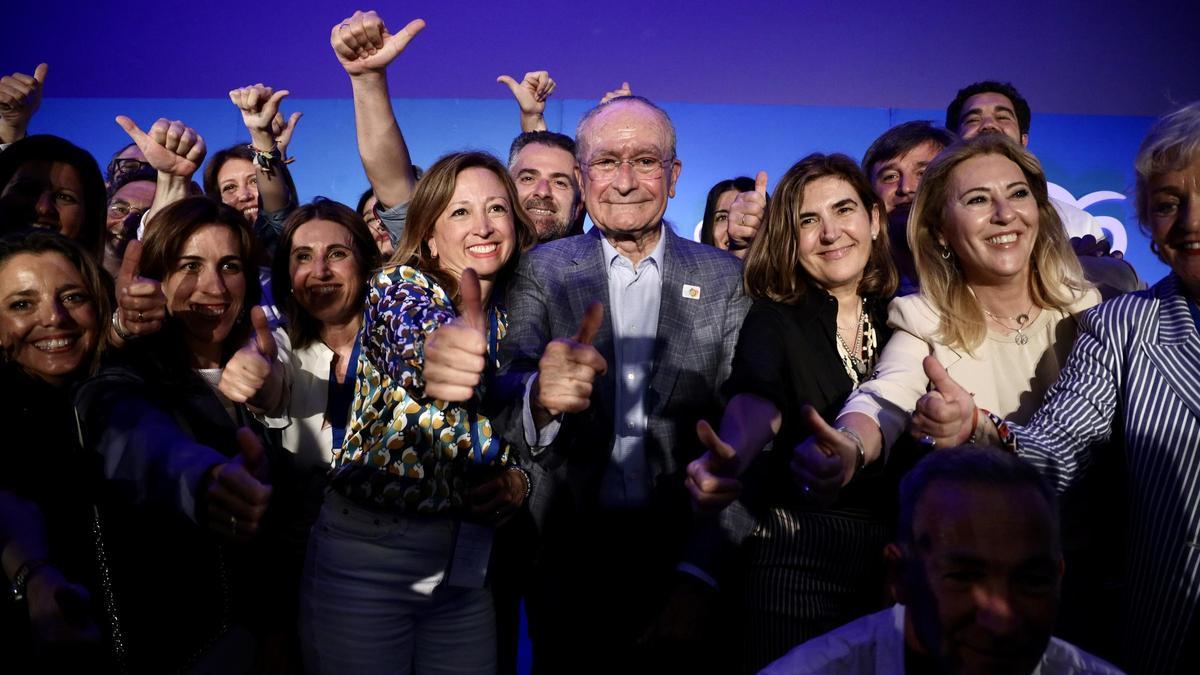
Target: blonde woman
x,y
1000,293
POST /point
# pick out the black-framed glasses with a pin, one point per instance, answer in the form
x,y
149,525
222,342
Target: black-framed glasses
x,y
123,165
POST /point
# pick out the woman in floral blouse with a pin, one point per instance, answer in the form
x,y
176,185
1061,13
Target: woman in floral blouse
x,y
393,579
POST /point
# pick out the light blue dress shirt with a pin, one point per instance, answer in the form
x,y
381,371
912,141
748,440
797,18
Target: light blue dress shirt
x,y
634,296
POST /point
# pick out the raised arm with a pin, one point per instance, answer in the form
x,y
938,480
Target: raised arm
x,y
175,150
531,95
365,48
259,105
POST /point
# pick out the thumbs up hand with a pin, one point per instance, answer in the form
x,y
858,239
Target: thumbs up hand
x,y
172,148
238,493
20,96
747,213
620,92
141,304
364,46
712,477
944,416
820,463
569,366
254,374
456,353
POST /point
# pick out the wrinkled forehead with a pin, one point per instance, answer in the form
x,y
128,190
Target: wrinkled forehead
x,y
625,125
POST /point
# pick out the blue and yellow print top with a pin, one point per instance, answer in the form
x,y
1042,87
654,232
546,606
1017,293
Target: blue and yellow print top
x,y
404,452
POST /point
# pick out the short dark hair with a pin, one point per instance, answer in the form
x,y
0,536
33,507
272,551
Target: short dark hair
x,y
302,328
902,138
739,184
954,110
551,138
47,148
145,173
973,465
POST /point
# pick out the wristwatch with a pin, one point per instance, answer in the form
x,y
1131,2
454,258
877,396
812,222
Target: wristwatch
x,y
21,579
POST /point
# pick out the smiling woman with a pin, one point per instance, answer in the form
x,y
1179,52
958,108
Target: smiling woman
x,y
1000,294
170,415
414,471
54,309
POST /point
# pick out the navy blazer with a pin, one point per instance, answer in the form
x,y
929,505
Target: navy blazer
x,y
1134,373
696,336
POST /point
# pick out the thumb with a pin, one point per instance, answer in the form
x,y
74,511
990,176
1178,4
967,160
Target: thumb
x,y
939,378
293,119
590,325
470,298
134,132
819,427
129,263
401,39
263,339
250,450
510,83
721,450
271,107
760,183
39,73
626,87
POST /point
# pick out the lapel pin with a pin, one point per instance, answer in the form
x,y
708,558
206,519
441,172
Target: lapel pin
x,y
691,292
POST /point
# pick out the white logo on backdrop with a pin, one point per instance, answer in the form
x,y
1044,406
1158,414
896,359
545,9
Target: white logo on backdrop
x,y
1114,229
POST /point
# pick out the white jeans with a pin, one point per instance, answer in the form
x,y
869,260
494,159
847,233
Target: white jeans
x,y
371,600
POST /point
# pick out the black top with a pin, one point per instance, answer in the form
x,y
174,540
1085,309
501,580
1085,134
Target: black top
x,y
788,355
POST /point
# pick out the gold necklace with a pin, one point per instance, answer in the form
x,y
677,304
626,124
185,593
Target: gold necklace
x,y
1023,318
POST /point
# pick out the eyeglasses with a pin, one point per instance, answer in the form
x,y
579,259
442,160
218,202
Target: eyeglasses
x,y
124,165
646,167
123,211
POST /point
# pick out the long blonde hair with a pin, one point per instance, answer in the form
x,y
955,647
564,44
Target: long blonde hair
x,y
1056,279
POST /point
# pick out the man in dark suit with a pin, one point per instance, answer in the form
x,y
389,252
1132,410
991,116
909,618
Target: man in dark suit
x,y
608,416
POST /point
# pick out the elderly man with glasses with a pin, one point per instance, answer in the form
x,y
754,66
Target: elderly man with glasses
x,y
618,341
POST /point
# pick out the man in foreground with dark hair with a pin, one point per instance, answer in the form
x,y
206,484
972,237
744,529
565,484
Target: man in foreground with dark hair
x,y
977,571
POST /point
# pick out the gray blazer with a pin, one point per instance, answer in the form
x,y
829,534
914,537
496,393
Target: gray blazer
x,y
696,336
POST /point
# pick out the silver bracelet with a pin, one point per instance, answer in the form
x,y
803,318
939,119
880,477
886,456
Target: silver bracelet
x,y
119,327
861,461
528,482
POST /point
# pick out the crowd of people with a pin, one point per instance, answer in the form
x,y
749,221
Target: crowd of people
x,y
908,414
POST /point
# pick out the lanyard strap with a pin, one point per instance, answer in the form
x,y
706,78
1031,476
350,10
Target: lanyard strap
x,y
341,395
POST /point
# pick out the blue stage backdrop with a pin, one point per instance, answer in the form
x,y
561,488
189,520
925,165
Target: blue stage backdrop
x,y
1088,158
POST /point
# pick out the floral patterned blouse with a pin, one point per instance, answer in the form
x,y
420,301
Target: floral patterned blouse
x,y
404,452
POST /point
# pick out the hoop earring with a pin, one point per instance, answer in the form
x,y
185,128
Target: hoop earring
x,y
947,253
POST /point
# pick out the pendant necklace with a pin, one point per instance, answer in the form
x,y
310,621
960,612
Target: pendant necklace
x,y
856,361
1023,318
